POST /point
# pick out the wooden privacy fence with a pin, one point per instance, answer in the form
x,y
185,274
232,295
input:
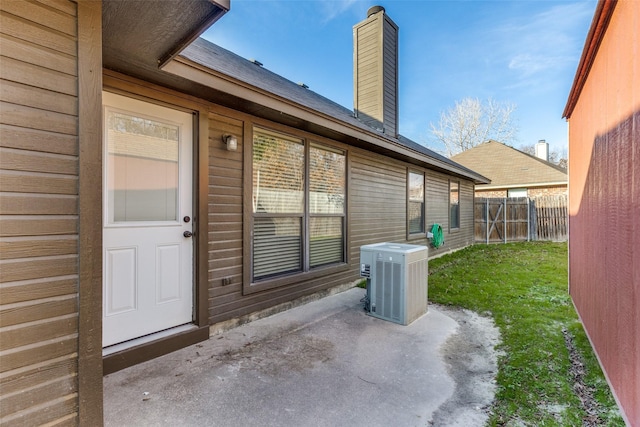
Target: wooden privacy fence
x,y
518,219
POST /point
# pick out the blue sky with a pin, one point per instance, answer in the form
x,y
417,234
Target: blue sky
x,y
523,52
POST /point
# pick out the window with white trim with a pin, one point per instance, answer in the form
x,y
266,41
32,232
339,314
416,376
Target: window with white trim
x,y
298,205
517,192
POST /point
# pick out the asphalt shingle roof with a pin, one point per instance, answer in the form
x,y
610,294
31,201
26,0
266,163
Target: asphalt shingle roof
x,y
507,166
223,61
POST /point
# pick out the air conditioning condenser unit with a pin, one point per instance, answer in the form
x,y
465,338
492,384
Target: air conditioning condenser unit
x,y
397,284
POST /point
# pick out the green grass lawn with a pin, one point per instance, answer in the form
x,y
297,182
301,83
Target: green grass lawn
x,y
523,287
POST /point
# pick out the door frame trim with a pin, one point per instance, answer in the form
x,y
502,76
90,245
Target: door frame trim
x,y
148,92
141,353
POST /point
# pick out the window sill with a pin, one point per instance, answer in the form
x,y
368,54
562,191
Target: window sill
x,y
417,236
293,278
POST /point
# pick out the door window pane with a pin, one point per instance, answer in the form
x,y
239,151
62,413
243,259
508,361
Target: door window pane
x,y
142,168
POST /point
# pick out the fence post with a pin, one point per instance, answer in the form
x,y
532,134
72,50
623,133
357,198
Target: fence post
x,y
504,219
486,205
528,220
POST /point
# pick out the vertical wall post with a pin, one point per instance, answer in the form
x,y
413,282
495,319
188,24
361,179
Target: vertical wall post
x,y
90,366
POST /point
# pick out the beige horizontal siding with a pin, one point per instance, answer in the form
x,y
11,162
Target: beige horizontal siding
x,y
32,161
37,289
61,5
22,27
367,76
37,225
39,212
40,373
389,85
225,210
36,118
20,182
59,387
38,204
377,201
53,20
32,332
226,245
21,247
56,411
437,206
376,212
33,54
37,141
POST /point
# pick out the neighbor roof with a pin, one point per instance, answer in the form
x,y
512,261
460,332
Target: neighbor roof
x,y
507,167
249,78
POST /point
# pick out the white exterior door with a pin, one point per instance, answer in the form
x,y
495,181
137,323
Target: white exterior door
x,y
148,248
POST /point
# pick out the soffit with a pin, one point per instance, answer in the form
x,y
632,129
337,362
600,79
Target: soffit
x,y
139,36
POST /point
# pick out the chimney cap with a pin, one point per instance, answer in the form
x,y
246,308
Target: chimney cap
x,y
374,9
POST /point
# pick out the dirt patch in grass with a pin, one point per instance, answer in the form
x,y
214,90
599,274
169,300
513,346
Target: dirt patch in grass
x,y
585,393
523,288
472,361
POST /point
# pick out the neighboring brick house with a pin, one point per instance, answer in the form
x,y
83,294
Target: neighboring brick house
x,y
512,172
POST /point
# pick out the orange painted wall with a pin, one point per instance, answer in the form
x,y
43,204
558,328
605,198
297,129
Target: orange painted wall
x,y
604,206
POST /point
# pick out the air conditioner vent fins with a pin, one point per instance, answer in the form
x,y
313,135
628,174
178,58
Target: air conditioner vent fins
x,y
396,280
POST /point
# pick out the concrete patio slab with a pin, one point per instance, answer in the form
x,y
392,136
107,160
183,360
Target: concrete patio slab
x,y
322,364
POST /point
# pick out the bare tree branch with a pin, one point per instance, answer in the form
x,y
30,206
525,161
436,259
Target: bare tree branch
x,y
471,122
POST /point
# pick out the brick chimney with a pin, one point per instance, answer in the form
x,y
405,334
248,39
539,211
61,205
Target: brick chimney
x,y
375,71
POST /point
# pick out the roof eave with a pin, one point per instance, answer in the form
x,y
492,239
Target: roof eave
x,y
524,185
139,37
599,24
223,7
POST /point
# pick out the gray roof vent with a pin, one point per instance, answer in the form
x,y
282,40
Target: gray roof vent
x,y
255,61
303,85
374,9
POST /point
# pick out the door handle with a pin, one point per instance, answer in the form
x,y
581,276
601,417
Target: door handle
x,y
187,234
